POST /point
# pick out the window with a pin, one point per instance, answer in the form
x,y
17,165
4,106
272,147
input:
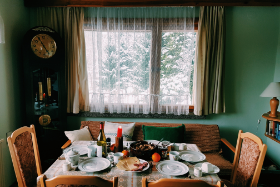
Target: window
x,y
144,66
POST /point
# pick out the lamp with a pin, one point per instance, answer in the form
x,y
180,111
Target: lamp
x,y
273,90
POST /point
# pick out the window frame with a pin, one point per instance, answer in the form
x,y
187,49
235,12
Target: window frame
x,y
155,61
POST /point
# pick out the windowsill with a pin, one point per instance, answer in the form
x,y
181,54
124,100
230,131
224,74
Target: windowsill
x,y
130,115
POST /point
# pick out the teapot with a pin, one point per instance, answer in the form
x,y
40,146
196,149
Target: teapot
x,y
72,157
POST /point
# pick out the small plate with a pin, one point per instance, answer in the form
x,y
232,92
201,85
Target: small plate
x,y
81,149
144,169
173,168
215,168
192,156
94,164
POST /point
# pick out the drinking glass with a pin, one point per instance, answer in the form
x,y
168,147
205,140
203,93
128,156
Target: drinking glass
x,y
165,143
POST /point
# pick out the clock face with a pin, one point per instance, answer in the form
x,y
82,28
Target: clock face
x,y
43,46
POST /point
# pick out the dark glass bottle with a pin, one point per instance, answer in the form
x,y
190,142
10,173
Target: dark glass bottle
x,y
101,141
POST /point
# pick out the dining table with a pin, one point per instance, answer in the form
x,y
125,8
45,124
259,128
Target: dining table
x,y
128,178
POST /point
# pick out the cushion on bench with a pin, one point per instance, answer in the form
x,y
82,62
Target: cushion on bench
x,y
206,137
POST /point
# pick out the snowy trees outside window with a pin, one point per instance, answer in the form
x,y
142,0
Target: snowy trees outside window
x,y
140,65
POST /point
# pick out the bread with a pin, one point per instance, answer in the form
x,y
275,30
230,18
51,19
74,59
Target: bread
x,y
127,164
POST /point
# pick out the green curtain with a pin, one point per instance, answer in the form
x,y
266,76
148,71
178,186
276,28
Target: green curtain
x,y
209,94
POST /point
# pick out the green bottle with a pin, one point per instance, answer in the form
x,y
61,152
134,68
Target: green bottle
x,y
101,140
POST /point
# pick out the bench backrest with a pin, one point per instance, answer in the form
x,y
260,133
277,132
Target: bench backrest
x,y
206,137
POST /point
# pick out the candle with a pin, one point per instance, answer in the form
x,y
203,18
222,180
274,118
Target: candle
x,y
119,134
44,95
49,85
40,91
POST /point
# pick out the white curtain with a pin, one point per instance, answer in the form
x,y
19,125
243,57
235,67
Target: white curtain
x,y
209,67
140,60
69,22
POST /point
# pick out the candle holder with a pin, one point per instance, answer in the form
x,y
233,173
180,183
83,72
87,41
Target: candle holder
x,y
118,144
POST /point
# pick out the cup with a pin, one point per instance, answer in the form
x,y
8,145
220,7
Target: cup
x,y
66,166
118,156
197,172
174,156
207,167
92,150
175,147
182,146
99,151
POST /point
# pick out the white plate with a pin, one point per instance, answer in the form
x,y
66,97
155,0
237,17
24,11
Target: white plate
x,y
144,169
173,168
192,156
81,149
215,168
94,164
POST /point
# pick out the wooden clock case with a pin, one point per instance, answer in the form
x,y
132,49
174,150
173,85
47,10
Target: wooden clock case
x,y
36,70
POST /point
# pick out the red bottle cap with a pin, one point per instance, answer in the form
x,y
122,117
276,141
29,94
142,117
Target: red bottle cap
x,y
101,125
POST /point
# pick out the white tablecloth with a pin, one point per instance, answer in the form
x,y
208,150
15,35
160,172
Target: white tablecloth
x,y
128,179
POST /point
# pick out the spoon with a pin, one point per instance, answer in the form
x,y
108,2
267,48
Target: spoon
x,y
160,141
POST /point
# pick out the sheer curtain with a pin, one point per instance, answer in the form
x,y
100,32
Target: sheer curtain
x,y
69,22
140,60
209,67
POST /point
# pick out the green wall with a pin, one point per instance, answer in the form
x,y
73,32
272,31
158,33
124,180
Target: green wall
x,y
251,46
277,64
15,17
252,62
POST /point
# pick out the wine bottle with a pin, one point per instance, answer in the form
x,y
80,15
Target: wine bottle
x,y
101,141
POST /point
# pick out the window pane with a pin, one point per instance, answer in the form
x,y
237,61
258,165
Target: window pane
x,y
177,63
120,61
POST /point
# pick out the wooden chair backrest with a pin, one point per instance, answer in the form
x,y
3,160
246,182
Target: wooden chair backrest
x,y
11,140
77,180
262,149
178,183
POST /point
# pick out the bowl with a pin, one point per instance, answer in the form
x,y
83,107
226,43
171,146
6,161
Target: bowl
x,y
145,153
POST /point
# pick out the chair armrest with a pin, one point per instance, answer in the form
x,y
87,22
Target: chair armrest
x,y
231,147
66,144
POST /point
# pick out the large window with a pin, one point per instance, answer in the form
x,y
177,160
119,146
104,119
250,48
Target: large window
x,y
140,66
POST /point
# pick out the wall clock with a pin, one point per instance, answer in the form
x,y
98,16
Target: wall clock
x,y
43,45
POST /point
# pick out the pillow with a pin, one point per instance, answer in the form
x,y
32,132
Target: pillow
x,y
79,135
110,130
172,134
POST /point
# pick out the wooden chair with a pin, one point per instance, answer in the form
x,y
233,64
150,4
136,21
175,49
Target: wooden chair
x,y
25,155
248,160
77,180
178,183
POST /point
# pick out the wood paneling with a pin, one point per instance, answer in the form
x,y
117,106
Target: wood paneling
x,y
145,3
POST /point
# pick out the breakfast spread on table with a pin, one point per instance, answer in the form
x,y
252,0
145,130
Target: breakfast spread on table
x,y
134,158
128,166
